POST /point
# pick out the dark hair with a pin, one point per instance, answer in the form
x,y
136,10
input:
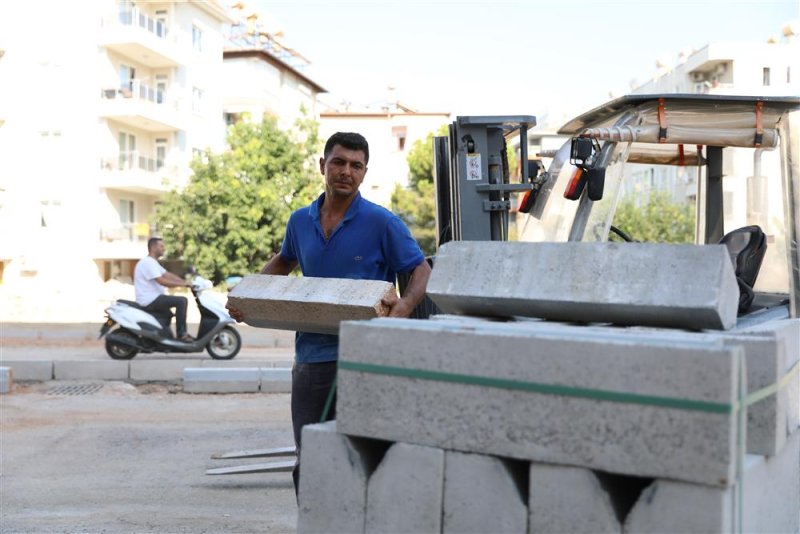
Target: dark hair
x,y
152,241
349,140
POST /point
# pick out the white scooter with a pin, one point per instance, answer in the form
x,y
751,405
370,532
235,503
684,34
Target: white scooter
x,y
143,331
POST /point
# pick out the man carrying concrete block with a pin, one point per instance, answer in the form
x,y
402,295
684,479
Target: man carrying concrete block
x,y
341,235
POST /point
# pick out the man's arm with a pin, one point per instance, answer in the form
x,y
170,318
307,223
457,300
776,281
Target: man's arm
x,y
404,306
278,265
172,280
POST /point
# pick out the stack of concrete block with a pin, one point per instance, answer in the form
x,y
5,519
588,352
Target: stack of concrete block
x,y
350,484
551,427
308,304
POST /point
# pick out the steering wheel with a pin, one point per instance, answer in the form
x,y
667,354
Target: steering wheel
x,y
622,235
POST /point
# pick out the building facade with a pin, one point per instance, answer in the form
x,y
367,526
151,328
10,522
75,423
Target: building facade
x,y
391,133
102,109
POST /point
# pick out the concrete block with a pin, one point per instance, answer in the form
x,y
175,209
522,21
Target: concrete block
x,y
308,304
404,494
771,350
276,380
91,370
6,379
333,482
159,370
31,369
569,499
629,284
771,500
483,494
536,424
215,380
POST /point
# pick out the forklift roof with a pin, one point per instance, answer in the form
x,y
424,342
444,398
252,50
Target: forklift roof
x,y
685,103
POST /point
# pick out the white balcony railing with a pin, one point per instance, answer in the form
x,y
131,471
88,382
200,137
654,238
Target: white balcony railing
x,y
131,161
132,232
134,17
138,91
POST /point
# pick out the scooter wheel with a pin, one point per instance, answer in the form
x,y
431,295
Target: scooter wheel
x,y
120,351
225,345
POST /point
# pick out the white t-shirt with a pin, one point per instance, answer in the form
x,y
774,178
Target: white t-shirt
x,y
144,280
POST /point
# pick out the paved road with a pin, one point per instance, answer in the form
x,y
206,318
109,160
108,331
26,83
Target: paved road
x,y
78,341
129,458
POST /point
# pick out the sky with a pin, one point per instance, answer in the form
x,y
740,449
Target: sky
x,y
532,57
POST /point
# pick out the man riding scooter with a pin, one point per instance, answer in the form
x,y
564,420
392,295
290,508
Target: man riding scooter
x,y
150,282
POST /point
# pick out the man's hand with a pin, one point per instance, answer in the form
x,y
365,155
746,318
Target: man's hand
x,y
234,313
398,307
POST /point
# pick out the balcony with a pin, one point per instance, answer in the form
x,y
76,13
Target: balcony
x,y
137,173
125,241
142,107
138,36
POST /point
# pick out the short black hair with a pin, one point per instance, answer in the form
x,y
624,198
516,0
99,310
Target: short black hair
x,y
349,140
152,241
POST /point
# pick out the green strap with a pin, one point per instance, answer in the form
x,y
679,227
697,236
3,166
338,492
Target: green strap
x,y
569,391
518,385
329,400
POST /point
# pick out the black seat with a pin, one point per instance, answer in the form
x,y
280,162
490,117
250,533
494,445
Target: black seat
x,y
746,246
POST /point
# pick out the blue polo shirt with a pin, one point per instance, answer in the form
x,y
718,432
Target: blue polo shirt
x,y
371,243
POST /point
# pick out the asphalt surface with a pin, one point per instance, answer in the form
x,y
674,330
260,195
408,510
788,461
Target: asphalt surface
x,y
121,458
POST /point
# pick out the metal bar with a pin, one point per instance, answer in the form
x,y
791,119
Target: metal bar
x,y
523,153
441,182
256,453
713,201
271,467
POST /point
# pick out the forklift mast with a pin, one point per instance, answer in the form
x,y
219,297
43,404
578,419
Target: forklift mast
x,y
472,177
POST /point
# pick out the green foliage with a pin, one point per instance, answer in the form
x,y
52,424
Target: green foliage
x,y
660,220
416,207
230,218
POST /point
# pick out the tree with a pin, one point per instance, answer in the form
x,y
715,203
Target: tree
x,y
660,220
230,218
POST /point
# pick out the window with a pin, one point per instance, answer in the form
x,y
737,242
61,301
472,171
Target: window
x,y
126,211
197,100
126,77
766,76
161,153
161,23
399,133
161,87
197,39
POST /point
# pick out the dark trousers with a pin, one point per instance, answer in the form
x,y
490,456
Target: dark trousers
x,y
311,384
165,303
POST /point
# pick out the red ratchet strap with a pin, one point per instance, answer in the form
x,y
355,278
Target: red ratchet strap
x,y
759,124
662,122
681,159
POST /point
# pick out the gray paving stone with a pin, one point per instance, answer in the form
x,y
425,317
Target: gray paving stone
x,y
333,482
630,283
483,494
221,380
569,499
617,437
6,380
276,380
307,304
159,370
31,369
90,370
404,494
771,500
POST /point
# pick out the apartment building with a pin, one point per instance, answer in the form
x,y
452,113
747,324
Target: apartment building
x,y
391,132
263,76
725,68
103,104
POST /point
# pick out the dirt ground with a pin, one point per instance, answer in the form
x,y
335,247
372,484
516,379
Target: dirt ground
x,y
119,458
